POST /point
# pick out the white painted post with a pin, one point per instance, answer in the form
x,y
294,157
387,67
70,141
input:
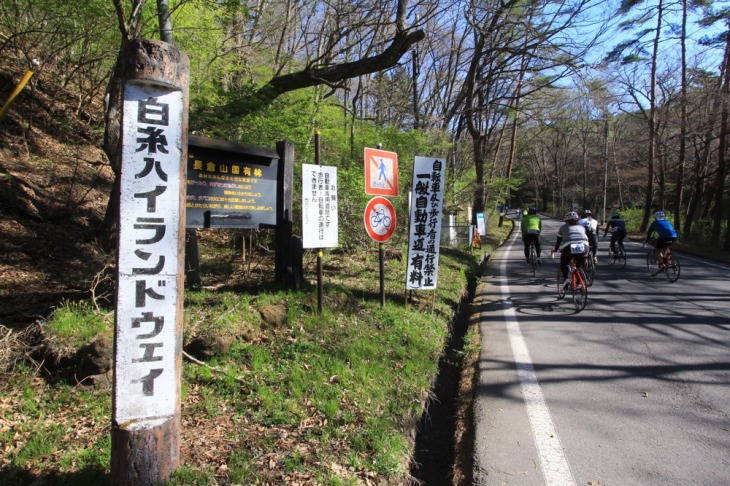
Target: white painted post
x,y
150,267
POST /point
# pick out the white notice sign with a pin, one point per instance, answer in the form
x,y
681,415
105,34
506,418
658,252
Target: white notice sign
x,y
147,346
424,233
319,206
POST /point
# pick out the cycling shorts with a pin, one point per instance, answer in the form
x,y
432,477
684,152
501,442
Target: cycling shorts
x,y
662,243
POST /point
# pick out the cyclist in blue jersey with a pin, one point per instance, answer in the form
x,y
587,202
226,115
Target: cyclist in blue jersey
x,y
666,235
618,230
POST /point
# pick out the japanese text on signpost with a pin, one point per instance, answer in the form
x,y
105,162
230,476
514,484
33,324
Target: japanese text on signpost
x,y
146,342
425,226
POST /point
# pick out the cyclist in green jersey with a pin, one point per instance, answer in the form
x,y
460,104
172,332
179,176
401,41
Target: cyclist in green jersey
x,y
531,228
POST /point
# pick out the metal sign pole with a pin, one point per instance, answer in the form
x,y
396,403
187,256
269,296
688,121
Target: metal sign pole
x,y
320,279
381,256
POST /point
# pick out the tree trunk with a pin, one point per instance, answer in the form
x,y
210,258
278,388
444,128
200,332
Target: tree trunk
x,y
479,186
163,14
416,71
721,151
683,125
652,122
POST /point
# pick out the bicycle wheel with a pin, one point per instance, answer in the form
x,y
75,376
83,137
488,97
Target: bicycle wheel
x,y
620,260
651,264
611,258
672,270
533,258
561,289
579,289
590,270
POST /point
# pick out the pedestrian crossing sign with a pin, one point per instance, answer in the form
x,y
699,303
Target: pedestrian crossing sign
x,y
381,172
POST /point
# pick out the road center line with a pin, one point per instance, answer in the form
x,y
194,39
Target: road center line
x,y
554,464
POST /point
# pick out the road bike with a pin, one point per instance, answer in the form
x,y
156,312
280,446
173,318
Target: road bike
x,y
575,283
618,258
669,264
532,252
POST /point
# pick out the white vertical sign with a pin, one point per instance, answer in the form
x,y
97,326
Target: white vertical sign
x,y
481,224
319,206
424,233
147,347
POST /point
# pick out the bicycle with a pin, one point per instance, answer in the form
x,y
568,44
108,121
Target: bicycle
x,y
575,282
618,258
669,264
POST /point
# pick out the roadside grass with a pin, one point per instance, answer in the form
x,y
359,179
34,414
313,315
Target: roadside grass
x,y
331,399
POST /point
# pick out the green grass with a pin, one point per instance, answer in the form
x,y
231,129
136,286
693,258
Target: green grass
x,y
330,398
75,324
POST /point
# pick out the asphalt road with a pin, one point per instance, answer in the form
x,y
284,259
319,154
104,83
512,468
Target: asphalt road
x,y
633,390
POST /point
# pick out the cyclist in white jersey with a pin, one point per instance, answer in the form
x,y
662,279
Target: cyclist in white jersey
x,y
572,242
591,226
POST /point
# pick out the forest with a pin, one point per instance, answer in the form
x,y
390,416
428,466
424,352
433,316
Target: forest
x,y
610,105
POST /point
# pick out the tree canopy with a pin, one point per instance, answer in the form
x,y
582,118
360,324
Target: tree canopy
x,y
538,102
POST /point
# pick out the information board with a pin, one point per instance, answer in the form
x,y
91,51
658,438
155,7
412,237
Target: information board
x,y
229,186
319,206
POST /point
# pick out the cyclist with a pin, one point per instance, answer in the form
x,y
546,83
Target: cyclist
x,y
618,230
531,228
570,234
591,226
666,235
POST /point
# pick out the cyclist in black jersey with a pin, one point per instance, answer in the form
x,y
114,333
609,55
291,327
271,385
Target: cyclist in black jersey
x,y
618,230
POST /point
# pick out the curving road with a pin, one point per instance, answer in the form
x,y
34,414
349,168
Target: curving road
x,y
633,390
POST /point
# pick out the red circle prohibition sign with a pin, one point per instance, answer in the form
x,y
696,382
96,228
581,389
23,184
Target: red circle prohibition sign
x,y
379,219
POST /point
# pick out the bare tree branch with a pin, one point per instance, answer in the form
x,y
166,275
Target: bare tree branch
x,y
334,74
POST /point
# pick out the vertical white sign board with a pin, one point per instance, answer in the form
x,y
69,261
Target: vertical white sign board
x,y
424,233
320,227
146,342
481,224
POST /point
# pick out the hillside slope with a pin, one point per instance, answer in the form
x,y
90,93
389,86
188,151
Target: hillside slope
x,y
54,186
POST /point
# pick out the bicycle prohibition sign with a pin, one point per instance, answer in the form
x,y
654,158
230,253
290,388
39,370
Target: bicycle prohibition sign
x,y
379,219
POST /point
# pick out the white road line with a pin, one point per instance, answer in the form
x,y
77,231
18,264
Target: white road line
x,y
554,464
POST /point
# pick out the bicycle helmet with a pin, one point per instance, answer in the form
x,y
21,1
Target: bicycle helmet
x,y
532,211
615,216
659,215
587,213
571,216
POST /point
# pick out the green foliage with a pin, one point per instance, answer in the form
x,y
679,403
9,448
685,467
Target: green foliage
x,y
75,324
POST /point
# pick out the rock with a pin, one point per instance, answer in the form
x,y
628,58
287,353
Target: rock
x,y
274,315
205,346
96,359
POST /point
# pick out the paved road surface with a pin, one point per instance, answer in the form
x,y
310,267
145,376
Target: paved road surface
x,y
633,390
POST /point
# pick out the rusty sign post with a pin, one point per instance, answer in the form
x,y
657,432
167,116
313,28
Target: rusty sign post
x,y
150,267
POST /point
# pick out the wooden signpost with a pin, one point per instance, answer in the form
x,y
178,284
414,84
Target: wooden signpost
x,y
148,325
